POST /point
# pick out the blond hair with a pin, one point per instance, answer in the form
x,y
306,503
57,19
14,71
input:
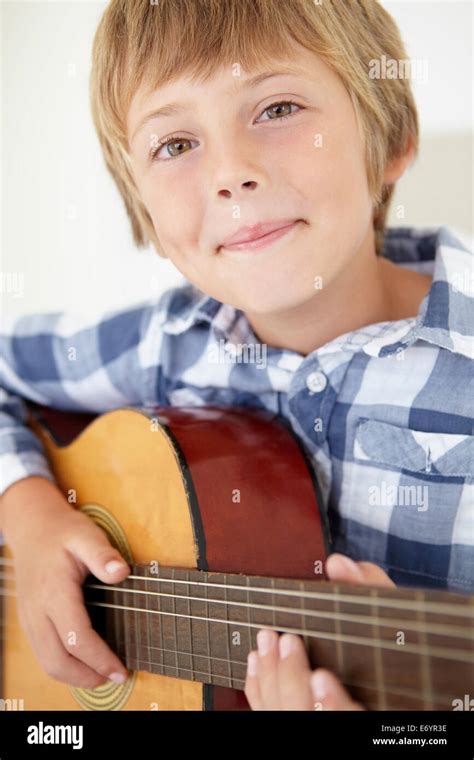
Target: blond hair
x,y
148,43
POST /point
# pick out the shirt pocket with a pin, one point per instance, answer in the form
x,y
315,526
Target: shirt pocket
x,y
448,455
409,504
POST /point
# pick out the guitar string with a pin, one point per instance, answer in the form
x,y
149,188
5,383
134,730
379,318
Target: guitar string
x,y
397,692
243,663
439,652
448,630
458,609
435,697
435,628
447,608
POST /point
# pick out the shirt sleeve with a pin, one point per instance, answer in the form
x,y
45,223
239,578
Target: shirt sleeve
x,y
70,363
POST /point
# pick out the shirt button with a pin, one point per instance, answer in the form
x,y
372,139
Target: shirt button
x,y
316,382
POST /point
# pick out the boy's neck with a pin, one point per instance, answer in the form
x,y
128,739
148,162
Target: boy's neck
x,y
372,289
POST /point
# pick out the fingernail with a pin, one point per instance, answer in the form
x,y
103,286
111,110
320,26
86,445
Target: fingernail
x,y
117,678
252,661
264,640
114,565
319,685
286,645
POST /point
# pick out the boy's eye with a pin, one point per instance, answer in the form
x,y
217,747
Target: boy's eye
x,y
275,109
178,143
170,142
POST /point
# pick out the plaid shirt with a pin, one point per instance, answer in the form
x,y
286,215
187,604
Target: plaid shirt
x,y
385,411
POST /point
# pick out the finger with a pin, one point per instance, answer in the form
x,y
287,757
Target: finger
x,y
54,659
293,674
251,690
342,568
375,576
329,693
267,668
74,628
91,547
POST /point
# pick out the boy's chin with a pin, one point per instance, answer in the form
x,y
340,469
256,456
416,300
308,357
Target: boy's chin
x,y
273,304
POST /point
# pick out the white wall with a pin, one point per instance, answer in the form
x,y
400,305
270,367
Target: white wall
x,y
64,227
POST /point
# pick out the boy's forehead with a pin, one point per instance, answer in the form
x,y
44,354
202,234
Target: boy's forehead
x,y
226,79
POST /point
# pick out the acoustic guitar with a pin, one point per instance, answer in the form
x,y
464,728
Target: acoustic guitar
x,y
219,515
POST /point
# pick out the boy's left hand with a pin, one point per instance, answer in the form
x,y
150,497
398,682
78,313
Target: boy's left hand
x,y
279,676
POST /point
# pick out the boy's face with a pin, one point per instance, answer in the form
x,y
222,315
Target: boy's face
x,y
235,162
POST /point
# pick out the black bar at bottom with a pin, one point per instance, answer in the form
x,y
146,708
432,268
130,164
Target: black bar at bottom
x,y
370,734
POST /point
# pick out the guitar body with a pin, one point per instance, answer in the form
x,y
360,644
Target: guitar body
x,y
212,489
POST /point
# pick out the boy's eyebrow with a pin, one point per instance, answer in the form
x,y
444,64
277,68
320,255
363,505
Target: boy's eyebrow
x,y
172,109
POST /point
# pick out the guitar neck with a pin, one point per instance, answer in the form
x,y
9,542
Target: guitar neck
x,y
395,648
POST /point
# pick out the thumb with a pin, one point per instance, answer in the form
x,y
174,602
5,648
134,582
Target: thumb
x,y
92,548
342,568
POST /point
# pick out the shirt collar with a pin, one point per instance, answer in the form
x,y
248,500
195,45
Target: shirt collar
x,y
445,316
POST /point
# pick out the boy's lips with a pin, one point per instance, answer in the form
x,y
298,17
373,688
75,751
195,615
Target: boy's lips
x,y
258,234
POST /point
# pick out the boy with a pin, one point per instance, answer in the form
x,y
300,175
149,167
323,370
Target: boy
x,y
253,148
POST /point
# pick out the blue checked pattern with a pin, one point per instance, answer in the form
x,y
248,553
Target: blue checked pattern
x,y
385,411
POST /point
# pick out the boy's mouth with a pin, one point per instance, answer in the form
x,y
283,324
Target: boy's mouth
x,y
259,235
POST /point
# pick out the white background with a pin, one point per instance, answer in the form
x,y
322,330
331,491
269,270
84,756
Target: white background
x,y
65,232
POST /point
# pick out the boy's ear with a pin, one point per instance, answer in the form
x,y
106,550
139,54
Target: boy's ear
x,y
396,168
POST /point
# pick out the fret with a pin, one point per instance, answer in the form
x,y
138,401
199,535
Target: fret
x,y
219,631
208,636
174,623
126,630
338,631
228,633
159,619
117,622
147,620
166,604
305,625
152,623
378,660
137,602
274,623
399,665
113,623
323,647
425,664
447,680
251,636
193,636
360,662
190,647
185,645
302,616
239,629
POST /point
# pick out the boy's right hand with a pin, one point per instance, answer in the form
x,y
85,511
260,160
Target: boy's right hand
x,y
55,547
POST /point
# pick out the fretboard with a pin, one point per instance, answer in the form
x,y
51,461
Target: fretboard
x,y
394,649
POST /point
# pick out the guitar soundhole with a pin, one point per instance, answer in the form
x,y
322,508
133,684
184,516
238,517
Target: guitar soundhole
x,y
108,696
